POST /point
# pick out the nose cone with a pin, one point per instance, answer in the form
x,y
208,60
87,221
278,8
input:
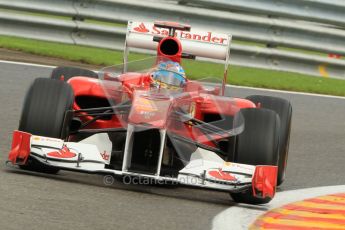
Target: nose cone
x,y
150,109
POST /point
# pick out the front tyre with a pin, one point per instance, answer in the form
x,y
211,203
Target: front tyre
x,y
43,114
284,109
257,145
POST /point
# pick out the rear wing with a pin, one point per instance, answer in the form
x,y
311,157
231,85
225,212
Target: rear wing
x,y
194,42
199,43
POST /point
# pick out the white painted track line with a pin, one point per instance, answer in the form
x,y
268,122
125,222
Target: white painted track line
x,y
288,92
234,86
242,216
26,64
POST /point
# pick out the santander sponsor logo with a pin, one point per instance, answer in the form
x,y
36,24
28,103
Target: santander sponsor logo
x,y
141,28
105,156
63,153
220,175
203,37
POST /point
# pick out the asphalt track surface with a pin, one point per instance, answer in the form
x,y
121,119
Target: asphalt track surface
x,y
79,201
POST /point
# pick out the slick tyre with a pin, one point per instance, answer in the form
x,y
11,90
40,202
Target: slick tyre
x,y
284,109
257,145
66,73
43,114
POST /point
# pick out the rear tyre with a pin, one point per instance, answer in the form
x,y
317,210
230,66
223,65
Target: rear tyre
x,y
66,73
43,114
284,109
257,145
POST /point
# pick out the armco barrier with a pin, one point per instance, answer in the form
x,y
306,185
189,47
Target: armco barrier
x,y
243,27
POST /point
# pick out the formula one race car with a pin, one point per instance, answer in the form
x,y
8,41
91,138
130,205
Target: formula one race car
x,y
145,119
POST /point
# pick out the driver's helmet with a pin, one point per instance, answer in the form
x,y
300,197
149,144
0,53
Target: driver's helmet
x,y
168,75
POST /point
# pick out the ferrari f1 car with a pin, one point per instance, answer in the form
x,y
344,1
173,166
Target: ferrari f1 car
x,y
146,119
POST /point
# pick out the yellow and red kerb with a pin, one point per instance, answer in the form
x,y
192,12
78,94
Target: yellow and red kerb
x,y
321,213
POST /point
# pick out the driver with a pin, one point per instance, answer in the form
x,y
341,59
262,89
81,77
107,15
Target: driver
x,y
168,75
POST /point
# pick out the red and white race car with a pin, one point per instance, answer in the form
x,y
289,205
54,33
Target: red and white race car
x,y
146,119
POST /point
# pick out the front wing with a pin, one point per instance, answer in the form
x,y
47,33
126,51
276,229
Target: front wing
x,y
205,169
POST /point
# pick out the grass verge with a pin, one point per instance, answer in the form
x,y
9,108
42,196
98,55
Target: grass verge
x,y
237,75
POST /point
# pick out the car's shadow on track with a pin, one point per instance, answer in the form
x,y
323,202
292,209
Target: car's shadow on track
x,y
166,191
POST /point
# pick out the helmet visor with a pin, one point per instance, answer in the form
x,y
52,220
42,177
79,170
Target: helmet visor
x,y
169,77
